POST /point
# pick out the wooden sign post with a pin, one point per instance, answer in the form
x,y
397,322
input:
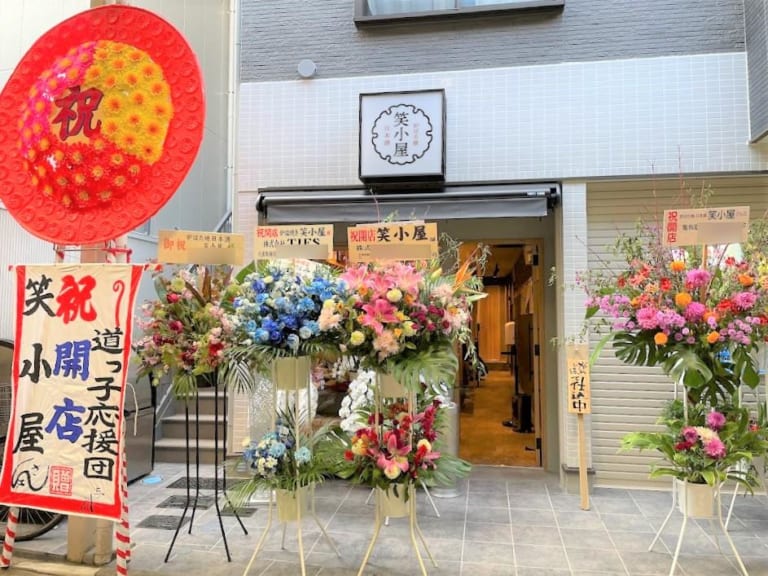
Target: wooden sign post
x,y
580,403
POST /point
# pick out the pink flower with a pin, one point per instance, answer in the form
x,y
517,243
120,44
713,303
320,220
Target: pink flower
x,y
172,297
647,318
697,278
377,313
715,420
690,434
386,344
694,311
714,448
744,300
355,278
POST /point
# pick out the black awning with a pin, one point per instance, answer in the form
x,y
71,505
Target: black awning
x,y
327,205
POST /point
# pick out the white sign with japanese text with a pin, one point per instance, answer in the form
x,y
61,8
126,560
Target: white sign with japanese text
x,y
192,247
393,241
402,135
579,391
307,241
695,226
72,348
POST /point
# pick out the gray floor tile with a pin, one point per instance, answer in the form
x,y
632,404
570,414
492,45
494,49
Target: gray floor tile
x,y
533,517
634,522
615,505
481,552
594,539
489,569
594,560
703,564
536,535
541,557
646,563
485,514
524,571
583,519
488,532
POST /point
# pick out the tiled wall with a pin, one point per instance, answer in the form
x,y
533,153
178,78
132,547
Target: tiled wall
x,y
579,120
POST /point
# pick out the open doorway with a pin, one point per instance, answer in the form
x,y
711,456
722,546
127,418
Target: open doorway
x,y
500,404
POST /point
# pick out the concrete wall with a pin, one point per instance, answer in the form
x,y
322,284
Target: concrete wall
x,y
276,35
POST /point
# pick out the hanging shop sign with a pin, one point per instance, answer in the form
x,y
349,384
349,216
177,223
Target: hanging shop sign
x,y
309,241
579,393
73,334
393,241
190,247
402,136
100,122
696,226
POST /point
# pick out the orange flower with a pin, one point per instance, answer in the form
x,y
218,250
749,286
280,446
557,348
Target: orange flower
x,y
682,299
677,266
713,337
660,338
635,302
746,280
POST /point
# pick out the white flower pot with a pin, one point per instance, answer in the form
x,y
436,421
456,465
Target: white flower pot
x,y
291,505
391,505
696,500
291,373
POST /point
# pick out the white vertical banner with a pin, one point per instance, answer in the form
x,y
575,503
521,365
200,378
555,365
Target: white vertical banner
x,y
71,354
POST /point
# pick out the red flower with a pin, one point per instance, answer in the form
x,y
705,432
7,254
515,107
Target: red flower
x,y
621,282
683,445
348,455
725,305
665,284
172,297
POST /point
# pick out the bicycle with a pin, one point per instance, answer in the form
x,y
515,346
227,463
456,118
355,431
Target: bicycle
x,y
32,522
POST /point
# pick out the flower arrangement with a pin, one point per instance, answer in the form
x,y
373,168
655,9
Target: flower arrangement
x,y
393,447
187,329
707,448
699,314
404,318
279,462
276,310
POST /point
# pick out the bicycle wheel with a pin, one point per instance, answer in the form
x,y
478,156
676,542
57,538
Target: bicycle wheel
x,y
32,523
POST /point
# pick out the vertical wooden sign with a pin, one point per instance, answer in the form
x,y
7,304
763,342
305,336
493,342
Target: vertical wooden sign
x,y
580,403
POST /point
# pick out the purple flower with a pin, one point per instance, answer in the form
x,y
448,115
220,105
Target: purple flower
x,y
715,420
697,278
690,434
714,448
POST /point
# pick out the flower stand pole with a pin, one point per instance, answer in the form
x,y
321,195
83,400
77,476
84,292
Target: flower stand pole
x,y
291,375
688,501
388,504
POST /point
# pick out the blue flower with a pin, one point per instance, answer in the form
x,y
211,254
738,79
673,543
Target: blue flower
x,y
250,326
303,455
290,322
258,285
305,333
292,341
275,336
261,335
277,450
305,305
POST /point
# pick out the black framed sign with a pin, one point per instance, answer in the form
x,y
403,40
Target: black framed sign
x,y
402,136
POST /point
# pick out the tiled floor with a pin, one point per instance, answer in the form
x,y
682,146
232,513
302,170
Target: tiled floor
x,y
507,521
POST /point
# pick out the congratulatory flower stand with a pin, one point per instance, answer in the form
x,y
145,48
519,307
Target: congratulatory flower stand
x,y
292,375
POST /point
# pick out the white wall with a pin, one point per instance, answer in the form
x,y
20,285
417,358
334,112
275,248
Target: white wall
x,y
576,120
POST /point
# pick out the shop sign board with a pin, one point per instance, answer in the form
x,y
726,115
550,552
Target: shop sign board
x,y
402,136
392,241
696,226
579,393
191,247
307,241
71,354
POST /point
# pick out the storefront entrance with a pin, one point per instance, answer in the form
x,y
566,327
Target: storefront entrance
x,y
500,404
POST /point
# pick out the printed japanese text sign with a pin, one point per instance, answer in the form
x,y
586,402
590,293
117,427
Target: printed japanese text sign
x,y
189,247
393,241
306,241
579,394
71,354
694,226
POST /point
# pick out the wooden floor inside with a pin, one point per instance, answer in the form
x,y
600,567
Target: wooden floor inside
x,y
484,439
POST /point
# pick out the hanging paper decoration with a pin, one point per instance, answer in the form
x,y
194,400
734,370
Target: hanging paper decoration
x,y
100,123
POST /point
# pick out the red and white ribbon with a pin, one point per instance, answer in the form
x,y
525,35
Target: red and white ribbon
x,y
10,536
123,534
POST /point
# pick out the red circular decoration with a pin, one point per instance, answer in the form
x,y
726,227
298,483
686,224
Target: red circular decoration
x,y
100,122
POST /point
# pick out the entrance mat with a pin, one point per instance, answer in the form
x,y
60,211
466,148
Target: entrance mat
x,y
179,501
242,512
161,522
205,483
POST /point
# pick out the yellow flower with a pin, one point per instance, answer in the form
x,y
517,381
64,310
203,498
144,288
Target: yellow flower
x,y
682,299
356,338
394,295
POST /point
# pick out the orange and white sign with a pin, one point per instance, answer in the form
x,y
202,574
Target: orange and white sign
x,y
393,241
72,348
695,226
189,247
